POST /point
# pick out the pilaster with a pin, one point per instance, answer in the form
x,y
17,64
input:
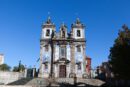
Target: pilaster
x,y
72,58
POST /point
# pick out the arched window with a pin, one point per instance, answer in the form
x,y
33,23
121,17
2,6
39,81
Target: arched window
x,y
78,33
78,48
46,48
79,66
62,51
47,32
63,34
46,66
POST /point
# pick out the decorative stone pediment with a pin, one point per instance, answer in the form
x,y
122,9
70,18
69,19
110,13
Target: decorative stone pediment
x,y
78,63
46,62
62,60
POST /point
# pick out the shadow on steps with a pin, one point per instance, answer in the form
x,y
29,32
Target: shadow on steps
x,y
22,81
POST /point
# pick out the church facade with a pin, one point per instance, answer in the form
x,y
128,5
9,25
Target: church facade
x,y
63,53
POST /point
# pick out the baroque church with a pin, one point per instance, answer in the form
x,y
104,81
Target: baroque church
x,y
63,53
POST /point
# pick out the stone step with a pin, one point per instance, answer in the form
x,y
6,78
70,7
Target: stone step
x,y
22,81
38,81
65,80
62,82
79,81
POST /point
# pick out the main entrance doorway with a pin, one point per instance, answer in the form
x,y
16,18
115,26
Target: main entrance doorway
x,y
62,71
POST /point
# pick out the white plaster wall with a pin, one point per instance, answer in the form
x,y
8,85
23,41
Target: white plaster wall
x,y
42,34
68,52
56,52
83,33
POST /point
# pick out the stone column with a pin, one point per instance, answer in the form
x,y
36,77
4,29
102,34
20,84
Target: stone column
x,y
54,51
84,58
25,72
34,71
72,60
84,62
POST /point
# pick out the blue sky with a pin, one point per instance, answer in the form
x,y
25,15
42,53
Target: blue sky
x,y
20,25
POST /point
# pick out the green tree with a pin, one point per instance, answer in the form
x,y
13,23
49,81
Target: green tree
x,y
15,69
119,56
19,68
5,67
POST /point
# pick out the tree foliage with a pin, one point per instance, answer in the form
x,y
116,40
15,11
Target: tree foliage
x,y
119,56
5,67
19,68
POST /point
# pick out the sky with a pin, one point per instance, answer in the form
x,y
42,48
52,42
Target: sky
x,y
21,20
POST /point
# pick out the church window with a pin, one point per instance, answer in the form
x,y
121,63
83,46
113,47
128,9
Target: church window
x,y
62,52
78,48
46,48
47,32
78,33
46,66
63,34
79,66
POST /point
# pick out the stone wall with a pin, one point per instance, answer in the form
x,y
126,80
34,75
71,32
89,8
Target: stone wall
x,y
8,77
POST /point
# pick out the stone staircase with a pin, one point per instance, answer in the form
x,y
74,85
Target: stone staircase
x,y
65,80
31,82
22,81
58,82
79,82
91,82
38,82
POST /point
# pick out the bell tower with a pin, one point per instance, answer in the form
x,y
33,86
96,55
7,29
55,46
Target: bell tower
x,y
47,29
45,48
78,31
78,34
